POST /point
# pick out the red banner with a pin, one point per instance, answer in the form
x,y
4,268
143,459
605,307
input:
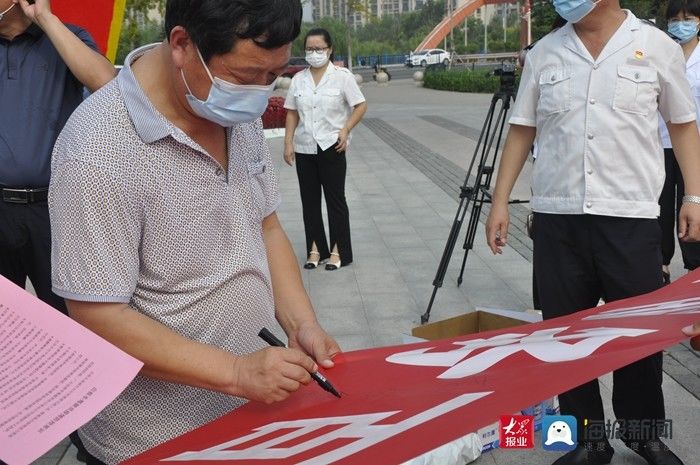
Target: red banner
x,y
102,18
400,402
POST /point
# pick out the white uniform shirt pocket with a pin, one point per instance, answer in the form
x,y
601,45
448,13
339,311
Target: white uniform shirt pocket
x,y
636,90
555,91
304,99
332,99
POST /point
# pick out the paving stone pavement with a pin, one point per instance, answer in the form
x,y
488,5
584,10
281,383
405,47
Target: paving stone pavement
x,y
405,167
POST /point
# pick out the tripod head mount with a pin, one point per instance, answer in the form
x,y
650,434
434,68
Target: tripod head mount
x,y
507,74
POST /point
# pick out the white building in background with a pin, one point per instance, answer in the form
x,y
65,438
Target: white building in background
x,y
308,9
317,9
487,12
375,8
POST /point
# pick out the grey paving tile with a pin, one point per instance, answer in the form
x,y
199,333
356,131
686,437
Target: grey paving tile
x,y
381,304
333,297
340,319
410,240
355,341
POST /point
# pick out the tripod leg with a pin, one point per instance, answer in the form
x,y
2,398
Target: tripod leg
x,y
469,238
484,174
446,254
426,316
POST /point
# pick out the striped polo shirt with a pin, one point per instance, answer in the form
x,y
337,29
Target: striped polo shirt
x,y
141,214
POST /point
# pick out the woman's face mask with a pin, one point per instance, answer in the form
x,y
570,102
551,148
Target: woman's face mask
x,y
574,10
683,30
229,103
317,57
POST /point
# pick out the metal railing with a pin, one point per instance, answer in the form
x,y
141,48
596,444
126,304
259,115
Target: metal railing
x,y
484,57
400,59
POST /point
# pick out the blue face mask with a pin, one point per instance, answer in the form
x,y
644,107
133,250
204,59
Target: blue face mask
x,y
228,103
683,31
2,13
574,10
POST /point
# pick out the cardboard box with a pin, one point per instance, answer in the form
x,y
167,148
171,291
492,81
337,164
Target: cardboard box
x,y
486,319
482,319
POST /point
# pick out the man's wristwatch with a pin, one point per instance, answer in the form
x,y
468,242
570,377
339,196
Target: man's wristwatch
x,y
691,199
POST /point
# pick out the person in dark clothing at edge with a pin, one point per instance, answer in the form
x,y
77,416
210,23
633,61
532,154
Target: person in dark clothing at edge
x,y
44,65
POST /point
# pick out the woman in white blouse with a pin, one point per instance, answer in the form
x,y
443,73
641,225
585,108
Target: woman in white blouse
x,y
683,24
324,103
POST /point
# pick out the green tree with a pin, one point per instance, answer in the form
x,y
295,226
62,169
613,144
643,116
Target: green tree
x,y
143,24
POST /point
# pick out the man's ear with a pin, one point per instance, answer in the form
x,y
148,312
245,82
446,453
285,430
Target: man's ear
x,y
182,49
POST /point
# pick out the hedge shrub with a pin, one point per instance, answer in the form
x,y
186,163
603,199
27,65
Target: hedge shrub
x,y
462,80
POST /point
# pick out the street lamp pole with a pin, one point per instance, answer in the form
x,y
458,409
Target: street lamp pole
x,y
486,37
466,31
528,9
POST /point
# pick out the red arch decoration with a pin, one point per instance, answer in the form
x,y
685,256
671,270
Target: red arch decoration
x,y
433,39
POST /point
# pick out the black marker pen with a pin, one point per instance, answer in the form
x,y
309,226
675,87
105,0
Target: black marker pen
x,y
270,338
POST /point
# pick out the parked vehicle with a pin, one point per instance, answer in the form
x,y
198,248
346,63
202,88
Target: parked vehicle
x,y
296,64
431,56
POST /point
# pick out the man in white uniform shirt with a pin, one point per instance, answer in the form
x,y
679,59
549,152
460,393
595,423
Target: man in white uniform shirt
x,y
590,92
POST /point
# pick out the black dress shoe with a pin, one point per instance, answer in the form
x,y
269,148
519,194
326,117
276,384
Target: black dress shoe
x,y
587,455
656,453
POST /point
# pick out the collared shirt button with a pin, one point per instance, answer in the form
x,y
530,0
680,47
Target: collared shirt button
x,y
592,101
589,204
590,136
589,171
636,75
219,171
595,66
554,78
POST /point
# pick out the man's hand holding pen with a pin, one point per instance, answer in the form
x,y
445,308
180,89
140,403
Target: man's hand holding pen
x,y
271,374
313,340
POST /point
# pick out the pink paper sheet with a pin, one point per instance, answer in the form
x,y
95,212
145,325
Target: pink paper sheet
x,y
55,375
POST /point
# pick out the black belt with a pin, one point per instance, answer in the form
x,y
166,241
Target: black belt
x,y
24,195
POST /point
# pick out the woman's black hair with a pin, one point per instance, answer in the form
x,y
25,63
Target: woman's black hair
x,y
215,25
319,31
676,7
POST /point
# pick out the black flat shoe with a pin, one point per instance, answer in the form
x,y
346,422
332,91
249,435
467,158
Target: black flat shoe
x,y
587,455
656,453
334,266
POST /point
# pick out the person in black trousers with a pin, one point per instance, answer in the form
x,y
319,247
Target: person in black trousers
x,y
35,106
324,103
683,18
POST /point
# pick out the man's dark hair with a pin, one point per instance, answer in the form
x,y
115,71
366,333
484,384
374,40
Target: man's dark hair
x,y
319,31
675,7
215,25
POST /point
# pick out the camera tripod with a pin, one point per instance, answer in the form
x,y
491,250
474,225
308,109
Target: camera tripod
x,y
478,191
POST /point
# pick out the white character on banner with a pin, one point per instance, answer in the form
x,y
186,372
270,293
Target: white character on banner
x,y
688,306
361,428
542,344
559,431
